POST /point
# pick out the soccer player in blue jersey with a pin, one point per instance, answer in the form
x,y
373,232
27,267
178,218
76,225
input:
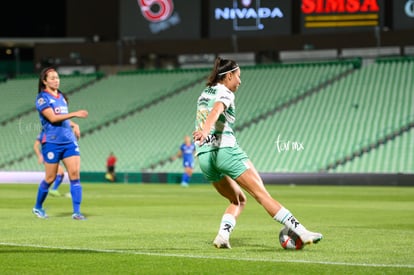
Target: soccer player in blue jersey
x,y
60,173
59,141
225,164
187,150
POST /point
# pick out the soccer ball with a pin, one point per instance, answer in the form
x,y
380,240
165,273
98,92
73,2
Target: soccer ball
x,y
289,239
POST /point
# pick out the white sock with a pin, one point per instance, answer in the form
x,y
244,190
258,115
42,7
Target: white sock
x,y
228,222
285,217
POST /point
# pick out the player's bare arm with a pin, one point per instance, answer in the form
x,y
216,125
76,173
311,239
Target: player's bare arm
x,y
76,129
37,151
201,134
54,118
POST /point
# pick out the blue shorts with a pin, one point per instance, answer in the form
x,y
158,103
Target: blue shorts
x,y
189,164
53,153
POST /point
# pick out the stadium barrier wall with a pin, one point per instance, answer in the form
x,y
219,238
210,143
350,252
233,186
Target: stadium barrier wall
x,y
356,179
169,178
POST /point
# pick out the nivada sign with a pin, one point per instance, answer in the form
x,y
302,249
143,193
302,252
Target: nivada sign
x,y
337,15
249,18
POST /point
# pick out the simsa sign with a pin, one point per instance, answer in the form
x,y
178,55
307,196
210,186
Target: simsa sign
x,y
340,15
249,18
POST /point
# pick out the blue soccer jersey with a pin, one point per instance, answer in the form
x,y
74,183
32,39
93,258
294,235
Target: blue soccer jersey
x,y
59,132
188,154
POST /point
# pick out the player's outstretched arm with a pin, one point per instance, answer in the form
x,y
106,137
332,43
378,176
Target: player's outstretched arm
x,y
53,118
176,156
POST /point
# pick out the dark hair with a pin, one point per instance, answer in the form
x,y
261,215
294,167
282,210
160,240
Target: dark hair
x,y
43,76
221,67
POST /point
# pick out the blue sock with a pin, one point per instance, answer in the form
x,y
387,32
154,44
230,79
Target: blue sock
x,y
58,181
42,194
185,178
76,192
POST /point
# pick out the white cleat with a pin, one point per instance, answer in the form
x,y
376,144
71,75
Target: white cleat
x,y
311,237
220,242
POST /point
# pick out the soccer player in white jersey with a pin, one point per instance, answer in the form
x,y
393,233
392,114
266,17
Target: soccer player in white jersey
x,y
225,164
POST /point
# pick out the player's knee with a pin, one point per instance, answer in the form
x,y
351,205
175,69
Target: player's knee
x,y
240,200
60,170
50,178
74,174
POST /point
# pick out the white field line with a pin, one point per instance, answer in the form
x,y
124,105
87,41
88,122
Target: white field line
x,y
206,257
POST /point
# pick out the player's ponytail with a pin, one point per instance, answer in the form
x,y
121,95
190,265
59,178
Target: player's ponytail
x,y
220,69
64,96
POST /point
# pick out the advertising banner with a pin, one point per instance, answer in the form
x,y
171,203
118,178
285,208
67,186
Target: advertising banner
x,y
249,18
403,14
160,19
327,16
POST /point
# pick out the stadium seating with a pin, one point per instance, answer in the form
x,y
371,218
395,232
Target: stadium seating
x,y
395,156
290,118
20,123
154,135
271,86
145,137
120,94
21,92
338,120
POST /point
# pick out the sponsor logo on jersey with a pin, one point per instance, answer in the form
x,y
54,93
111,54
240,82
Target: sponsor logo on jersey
x,y
41,101
61,110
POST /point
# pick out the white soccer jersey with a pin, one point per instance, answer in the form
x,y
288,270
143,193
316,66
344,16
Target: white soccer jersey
x,y
221,134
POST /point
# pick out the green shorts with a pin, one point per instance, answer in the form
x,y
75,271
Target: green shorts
x,y
230,161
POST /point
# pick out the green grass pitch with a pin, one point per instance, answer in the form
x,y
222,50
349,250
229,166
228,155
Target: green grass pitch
x,y
167,229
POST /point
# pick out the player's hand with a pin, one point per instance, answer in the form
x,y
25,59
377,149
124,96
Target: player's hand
x,y
82,113
199,137
40,159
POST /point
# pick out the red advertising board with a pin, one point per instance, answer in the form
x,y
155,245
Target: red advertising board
x,y
324,16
